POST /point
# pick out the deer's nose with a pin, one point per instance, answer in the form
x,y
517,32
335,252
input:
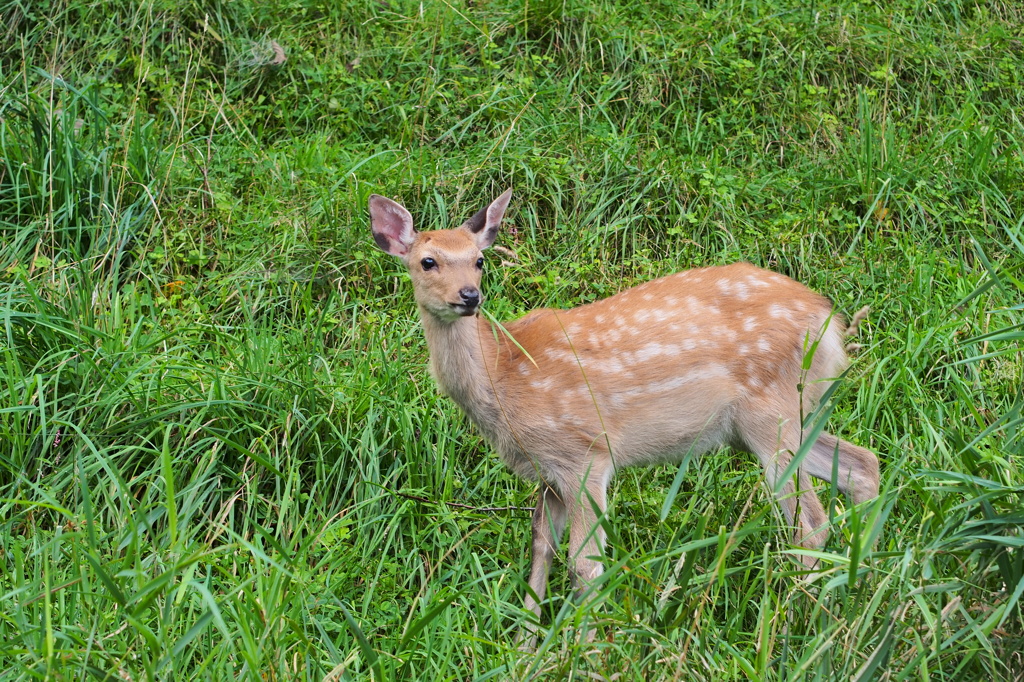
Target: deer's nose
x,y
470,296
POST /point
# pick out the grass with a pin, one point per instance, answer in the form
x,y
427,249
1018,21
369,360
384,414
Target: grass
x,y
223,457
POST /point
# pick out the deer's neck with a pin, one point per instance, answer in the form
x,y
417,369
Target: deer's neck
x,y
463,356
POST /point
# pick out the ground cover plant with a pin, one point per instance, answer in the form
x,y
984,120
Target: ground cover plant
x,y
221,455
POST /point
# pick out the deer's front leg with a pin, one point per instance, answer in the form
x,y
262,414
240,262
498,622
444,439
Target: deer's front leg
x,y
549,519
586,536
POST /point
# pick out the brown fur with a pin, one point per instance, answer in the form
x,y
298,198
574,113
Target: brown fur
x,y
681,364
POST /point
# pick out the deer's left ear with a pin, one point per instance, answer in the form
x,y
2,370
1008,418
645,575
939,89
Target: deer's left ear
x,y
391,225
485,223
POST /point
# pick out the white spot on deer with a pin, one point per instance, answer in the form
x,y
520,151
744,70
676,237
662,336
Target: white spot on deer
x,y
653,350
743,349
557,355
705,373
776,310
667,384
749,324
545,384
725,286
610,366
739,290
648,297
641,315
688,344
599,319
756,281
763,345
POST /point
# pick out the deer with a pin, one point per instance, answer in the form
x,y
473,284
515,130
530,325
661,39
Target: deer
x,y
677,366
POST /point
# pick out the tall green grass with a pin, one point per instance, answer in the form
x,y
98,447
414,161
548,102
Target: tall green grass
x,y
222,456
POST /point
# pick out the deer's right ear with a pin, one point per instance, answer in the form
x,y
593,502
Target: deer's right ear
x,y
391,225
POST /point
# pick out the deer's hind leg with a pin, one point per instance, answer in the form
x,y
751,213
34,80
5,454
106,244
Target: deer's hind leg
x,y
774,441
856,467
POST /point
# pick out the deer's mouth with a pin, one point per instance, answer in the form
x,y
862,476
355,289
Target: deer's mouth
x,y
464,309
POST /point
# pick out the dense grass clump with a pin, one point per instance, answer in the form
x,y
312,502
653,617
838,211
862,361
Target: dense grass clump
x,y
221,455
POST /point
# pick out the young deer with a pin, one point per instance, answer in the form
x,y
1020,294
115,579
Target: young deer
x,y
681,364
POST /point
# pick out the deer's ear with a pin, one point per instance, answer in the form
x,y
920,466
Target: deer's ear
x,y
485,223
391,225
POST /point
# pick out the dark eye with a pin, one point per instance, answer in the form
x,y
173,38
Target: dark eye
x,y
480,263
428,263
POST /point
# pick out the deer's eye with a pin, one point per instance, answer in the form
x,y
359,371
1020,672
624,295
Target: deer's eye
x,y
428,263
480,263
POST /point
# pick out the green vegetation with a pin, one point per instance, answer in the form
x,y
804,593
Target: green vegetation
x,y
221,455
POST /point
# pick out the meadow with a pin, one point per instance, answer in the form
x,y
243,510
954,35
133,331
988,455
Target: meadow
x,y
222,455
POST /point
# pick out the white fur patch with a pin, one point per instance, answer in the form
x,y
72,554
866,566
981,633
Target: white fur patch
x,y
755,281
653,350
545,384
610,366
704,373
558,355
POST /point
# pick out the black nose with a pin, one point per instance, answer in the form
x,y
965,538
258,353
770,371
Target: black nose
x,y
470,296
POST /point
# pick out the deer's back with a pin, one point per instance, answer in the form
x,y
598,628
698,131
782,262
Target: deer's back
x,y
662,367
